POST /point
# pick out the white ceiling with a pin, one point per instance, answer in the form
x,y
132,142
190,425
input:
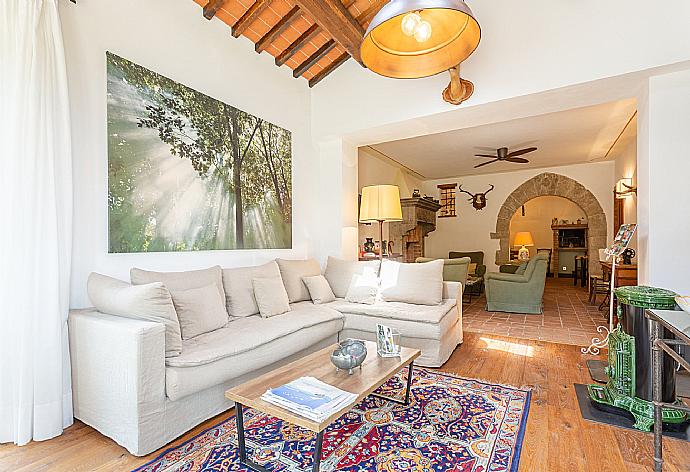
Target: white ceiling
x,y
562,138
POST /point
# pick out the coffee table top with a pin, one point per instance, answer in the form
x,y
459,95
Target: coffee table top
x,y
375,372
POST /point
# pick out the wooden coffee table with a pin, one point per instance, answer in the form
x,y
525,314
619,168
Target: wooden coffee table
x,y
375,372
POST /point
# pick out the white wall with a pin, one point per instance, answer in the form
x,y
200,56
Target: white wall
x,y
172,38
525,48
626,167
662,175
539,213
470,230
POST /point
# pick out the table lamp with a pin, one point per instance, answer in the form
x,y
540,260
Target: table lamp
x,y
380,203
524,239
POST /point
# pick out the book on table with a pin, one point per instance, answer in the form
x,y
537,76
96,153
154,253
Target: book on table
x,y
309,397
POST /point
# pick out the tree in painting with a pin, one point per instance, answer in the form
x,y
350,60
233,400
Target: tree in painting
x,y
189,172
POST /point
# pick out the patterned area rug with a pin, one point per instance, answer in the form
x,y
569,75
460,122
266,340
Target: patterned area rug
x,y
452,424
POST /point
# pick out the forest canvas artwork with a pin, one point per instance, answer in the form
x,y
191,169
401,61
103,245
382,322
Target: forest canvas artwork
x,y
187,172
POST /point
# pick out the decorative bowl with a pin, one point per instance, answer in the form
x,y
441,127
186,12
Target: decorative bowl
x,y
350,354
684,303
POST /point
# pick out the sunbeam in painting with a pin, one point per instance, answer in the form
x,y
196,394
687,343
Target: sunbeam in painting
x,y
187,172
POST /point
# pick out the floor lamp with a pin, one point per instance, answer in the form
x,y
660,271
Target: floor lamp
x,y
380,203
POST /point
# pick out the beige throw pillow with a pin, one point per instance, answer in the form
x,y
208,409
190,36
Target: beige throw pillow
x,y
292,272
182,280
271,296
363,289
339,273
239,291
150,302
319,290
199,310
419,283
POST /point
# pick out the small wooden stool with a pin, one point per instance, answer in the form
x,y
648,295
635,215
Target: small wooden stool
x,y
597,284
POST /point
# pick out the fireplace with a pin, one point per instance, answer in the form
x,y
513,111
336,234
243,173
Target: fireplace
x,y
419,219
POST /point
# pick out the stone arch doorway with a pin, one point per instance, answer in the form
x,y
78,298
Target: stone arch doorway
x,y
557,185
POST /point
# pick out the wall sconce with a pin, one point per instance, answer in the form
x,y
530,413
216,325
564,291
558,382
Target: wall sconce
x,y
624,188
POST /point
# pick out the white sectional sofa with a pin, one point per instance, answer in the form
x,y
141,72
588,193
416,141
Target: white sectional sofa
x,y
133,385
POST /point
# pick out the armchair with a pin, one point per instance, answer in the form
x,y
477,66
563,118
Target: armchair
x,y
454,270
476,280
518,293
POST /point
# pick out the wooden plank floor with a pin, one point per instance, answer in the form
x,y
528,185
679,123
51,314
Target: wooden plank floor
x,y
557,438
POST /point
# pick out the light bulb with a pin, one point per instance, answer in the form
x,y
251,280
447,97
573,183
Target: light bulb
x,y
423,31
410,22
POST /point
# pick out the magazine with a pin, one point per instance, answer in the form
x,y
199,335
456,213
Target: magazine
x,y
309,397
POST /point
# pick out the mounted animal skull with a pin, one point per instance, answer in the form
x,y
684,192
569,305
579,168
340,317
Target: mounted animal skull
x,y
478,199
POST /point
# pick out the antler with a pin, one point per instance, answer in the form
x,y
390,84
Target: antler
x,y
492,187
465,191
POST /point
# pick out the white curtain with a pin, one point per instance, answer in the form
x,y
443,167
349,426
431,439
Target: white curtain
x,y
35,223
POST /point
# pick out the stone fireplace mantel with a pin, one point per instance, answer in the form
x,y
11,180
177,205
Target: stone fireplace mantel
x,y
419,219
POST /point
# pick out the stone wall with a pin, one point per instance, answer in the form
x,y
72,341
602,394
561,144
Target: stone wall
x,y
556,185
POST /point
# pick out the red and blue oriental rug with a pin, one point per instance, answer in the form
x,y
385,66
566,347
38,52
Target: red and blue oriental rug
x,y
451,424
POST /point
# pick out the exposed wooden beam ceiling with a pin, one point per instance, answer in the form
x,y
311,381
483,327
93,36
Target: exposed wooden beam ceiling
x,y
313,59
212,8
337,21
367,15
337,25
328,69
278,28
297,44
249,16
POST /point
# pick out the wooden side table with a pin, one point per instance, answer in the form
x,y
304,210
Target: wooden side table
x,y
678,323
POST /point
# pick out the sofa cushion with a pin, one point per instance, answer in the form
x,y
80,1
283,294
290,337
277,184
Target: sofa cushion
x,y
319,290
415,321
182,280
199,310
292,272
271,296
246,345
239,292
339,273
150,302
363,289
420,284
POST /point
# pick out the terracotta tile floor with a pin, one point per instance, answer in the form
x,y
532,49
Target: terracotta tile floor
x,y
567,319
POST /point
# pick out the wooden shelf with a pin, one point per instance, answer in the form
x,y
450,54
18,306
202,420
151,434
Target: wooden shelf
x,y
571,226
581,249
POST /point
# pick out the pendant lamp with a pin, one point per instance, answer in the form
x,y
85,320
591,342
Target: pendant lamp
x,y
418,38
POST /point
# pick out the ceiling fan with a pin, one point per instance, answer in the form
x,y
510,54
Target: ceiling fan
x,y
502,154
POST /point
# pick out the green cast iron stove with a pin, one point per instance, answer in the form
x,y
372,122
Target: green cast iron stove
x,y
629,360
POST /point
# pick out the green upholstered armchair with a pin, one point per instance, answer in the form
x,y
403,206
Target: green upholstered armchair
x,y
476,257
518,293
454,270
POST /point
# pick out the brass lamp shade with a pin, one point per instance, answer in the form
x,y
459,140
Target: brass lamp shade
x,y
380,203
524,238
455,34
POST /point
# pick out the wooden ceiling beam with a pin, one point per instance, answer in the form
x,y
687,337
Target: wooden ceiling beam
x,y
290,51
367,15
212,8
337,21
278,28
330,68
313,59
249,16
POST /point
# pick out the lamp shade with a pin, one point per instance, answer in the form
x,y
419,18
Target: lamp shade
x,y
380,203
524,238
444,33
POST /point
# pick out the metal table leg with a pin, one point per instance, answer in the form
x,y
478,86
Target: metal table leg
x,y
657,372
242,446
407,389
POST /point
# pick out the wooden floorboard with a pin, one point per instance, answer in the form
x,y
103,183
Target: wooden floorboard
x,y
557,438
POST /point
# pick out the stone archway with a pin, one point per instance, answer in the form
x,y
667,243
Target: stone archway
x,y
549,184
